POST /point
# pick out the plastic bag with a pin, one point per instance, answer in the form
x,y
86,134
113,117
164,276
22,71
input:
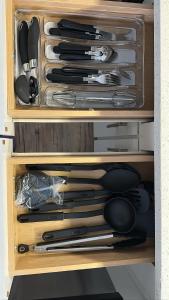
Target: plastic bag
x,y
36,188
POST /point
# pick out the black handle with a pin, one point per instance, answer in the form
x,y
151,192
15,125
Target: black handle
x,y
23,42
33,39
129,243
81,180
74,71
64,79
58,216
76,167
72,34
69,204
70,57
37,217
73,232
57,50
76,26
73,47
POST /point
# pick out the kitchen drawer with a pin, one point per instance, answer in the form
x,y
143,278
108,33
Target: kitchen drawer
x,y
29,233
97,10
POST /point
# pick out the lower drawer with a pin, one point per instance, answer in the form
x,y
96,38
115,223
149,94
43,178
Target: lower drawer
x,y
30,233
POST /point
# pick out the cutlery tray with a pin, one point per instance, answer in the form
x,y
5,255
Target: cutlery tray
x,y
30,233
129,59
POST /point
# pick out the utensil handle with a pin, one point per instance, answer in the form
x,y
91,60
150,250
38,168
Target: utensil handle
x,y
74,71
81,180
23,42
37,217
129,243
75,57
76,26
71,167
72,34
74,47
58,216
33,38
69,204
56,78
71,72
57,50
73,232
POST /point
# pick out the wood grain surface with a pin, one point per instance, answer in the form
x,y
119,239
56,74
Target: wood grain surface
x,y
54,137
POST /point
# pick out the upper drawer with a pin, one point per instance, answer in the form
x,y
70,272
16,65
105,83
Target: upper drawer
x,y
140,51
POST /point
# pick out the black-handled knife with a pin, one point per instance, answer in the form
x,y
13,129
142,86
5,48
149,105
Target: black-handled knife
x,y
72,34
33,42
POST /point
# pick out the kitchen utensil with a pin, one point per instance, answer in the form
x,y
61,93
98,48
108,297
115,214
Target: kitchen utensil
x,y
122,176
74,99
33,40
23,45
47,246
70,71
72,29
68,51
56,216
81,167
26,89
73,232
118,179
88,194
107,79
22,89
119,213
70,204
140,199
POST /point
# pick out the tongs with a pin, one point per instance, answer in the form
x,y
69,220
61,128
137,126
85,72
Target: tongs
x,y
135,238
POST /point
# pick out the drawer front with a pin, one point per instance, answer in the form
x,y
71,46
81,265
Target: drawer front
x,y
30,233
93,9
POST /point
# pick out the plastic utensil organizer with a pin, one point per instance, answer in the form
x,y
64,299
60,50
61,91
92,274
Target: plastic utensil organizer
x,y
126,61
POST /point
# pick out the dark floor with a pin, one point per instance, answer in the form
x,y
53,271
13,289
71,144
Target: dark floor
x,y
54,137
63,285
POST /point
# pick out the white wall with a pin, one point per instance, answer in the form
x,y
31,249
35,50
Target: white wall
x,y
136,282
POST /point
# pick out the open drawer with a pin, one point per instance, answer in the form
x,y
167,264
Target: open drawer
x,y
30,233
93,11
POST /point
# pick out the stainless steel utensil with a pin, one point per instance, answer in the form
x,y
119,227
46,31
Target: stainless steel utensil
x,y
92,99
68,51
72,29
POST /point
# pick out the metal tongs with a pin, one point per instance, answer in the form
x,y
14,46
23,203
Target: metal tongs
x,y
135,238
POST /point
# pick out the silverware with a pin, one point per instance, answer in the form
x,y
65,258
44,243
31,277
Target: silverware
x,y
72,29
68,51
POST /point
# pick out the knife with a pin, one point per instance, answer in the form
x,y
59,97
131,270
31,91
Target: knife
x,y
72,29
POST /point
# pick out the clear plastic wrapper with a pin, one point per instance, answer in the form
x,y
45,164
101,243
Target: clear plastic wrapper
x,y
36,188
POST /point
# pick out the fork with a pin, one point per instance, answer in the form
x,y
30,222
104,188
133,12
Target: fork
x,y
106,79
